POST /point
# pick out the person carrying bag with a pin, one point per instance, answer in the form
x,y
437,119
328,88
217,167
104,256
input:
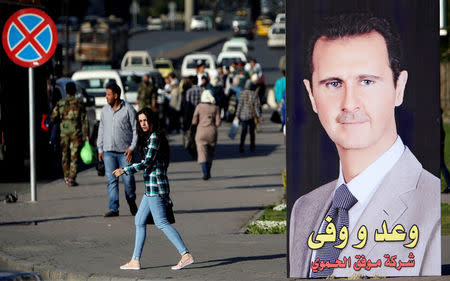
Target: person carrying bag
x,y
153,147
248,112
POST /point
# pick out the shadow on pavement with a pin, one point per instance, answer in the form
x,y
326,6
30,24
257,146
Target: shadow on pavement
x,y
223,151
222,262
35,222
254,186
217,210
220,210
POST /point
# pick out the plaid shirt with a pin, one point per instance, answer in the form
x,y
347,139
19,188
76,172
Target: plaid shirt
x,y
244,112
193,95
155,170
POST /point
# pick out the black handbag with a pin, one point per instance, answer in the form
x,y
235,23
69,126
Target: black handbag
x,y
189,141
276,117
169,212
100,168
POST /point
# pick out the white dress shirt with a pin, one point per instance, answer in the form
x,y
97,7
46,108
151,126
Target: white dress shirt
x,y
364,185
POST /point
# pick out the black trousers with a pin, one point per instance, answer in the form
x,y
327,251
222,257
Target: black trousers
x,y
248,125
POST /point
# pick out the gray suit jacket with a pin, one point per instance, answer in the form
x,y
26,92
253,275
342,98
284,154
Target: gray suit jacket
x,y
407,195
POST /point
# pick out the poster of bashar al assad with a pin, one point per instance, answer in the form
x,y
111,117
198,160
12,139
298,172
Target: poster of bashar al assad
x,y
363,138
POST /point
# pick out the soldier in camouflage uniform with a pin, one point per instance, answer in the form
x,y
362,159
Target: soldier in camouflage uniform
x,y
146,94
71,115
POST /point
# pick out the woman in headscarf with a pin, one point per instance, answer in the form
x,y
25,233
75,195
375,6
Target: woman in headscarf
x,y
207,118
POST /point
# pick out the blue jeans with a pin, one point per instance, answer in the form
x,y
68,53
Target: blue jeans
x,y
114,160
155,205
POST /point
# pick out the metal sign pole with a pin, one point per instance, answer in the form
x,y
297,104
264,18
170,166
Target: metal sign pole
x,y
32,139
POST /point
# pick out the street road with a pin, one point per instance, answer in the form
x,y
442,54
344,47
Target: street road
x,y
159,41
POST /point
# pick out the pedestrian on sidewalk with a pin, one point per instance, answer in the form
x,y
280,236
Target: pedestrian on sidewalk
x,y
116,141
71,116
146,94
248,112
154,150
207,119
193,96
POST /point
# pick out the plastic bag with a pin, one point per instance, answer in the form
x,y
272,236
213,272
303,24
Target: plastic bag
x,y
87,153
233,129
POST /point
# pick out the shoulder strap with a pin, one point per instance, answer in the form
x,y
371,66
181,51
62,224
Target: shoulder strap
x,y
249,103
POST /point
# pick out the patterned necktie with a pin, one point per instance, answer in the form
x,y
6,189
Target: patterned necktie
x,y
343,200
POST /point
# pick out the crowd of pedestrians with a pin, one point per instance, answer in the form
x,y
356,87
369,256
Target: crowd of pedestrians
x,y
128,142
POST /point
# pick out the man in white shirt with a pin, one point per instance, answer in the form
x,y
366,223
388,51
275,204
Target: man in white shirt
x,y
355,83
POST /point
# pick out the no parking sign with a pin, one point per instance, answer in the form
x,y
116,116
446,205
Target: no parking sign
x,y
29,37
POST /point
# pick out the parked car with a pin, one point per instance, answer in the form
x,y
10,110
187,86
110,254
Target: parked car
x,y
235,45
190,62
277,35
226,58
199,23
243,28
243,39
280,18
137,60
155,24
95,82
164,66
132,78
263,24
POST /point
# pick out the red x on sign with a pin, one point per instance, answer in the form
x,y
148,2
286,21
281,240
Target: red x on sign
x,y
29,37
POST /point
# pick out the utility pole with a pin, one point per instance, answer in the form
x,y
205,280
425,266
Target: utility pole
x,y
66,33
188,13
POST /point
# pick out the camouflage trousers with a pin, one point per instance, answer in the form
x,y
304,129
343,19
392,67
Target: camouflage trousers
x,y
70,150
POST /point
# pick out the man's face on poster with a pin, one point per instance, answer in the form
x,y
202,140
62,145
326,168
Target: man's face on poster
x,y
353,91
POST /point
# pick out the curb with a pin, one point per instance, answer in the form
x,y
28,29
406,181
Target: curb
x,y
254,218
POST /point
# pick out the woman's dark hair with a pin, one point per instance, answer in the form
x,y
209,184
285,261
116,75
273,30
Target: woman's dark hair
x,y
153,121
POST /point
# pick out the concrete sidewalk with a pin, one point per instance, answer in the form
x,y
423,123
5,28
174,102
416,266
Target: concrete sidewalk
x,y
64,236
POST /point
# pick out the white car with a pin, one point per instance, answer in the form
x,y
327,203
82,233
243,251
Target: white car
x,y
281,18
235,45
95,82
190,62
155,24
243,39
131,79
277,35
137,60
226,58
199,23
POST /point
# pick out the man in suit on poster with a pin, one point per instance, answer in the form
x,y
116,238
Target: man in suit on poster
x,y
383,200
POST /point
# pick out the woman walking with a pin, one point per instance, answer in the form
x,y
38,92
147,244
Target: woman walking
x,y
207,118
154,149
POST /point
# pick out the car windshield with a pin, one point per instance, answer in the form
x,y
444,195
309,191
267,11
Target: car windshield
x,y
234,48
162,65
279,30
192,63
95,87
228,61
137,61
131,82
93,37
